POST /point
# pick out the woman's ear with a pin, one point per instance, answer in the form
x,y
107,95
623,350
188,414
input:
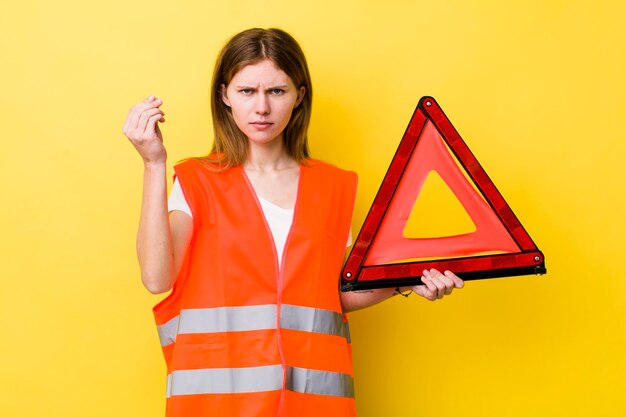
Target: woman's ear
x,y
224,95
301,94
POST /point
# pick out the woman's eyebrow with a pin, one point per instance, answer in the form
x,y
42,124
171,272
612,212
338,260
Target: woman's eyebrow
x,y
283,86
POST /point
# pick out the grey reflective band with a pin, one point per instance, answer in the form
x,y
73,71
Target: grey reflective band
x,y
227,319
225,380
259,317
168,331
311,319
311,381
259,379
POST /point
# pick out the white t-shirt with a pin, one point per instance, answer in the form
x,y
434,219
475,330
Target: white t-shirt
x,y
278,219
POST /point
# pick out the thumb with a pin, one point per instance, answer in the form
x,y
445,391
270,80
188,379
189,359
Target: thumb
x,y
424,291
152,127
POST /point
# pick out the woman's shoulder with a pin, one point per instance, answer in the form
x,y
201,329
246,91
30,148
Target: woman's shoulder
x,y
319,165
329,171
201,165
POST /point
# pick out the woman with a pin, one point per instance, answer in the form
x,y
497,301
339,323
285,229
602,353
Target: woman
x,y
253,246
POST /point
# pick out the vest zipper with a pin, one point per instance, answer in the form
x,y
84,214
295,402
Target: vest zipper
x,y
279,274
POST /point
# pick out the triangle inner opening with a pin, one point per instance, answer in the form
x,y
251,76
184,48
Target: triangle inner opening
x,y
437,212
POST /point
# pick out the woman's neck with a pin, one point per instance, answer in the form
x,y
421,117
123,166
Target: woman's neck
x,y
268,157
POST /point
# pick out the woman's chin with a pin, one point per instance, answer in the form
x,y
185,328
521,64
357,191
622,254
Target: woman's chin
x,y
263,139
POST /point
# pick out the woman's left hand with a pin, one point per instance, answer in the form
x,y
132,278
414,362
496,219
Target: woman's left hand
x,y
436,284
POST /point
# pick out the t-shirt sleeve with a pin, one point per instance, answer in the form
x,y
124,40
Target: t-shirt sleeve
x,y
177,200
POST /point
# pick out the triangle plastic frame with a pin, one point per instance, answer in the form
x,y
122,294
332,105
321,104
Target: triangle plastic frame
x,y
356,275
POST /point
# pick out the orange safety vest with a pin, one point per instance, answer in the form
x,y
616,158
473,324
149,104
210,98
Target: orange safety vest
x,y
241,336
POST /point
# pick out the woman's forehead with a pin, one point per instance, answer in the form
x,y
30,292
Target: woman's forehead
x,y
262,72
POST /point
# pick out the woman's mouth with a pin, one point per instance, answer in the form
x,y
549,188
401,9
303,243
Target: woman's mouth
x,y
261,125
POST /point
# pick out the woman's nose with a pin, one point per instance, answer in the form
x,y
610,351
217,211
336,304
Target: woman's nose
x,y
262,104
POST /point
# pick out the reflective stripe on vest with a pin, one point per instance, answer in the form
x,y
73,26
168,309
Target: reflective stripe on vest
x,y
258,379
311,319
167,331
312,381
225,380
260,317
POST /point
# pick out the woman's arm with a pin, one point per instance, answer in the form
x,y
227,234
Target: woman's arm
x,y
162,240
436,286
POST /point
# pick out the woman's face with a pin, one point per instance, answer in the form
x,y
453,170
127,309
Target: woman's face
x,y
262,97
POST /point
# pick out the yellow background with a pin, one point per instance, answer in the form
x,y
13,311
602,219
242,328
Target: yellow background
x,y
536,88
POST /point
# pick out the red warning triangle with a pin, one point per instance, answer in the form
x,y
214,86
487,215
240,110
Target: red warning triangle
x,y
383,257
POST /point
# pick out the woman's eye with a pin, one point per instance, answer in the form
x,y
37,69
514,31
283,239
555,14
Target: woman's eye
x,y
246,91
277,91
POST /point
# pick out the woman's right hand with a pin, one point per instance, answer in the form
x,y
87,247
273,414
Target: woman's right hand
x,y
142,130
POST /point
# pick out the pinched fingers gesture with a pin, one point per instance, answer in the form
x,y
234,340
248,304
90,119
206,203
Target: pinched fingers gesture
x,y
142,129
437,285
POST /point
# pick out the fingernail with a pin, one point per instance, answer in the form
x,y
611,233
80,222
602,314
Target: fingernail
x,y
425,272
447,273
151,98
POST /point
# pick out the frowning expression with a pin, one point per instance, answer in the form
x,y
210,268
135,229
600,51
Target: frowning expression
x,y
262,97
